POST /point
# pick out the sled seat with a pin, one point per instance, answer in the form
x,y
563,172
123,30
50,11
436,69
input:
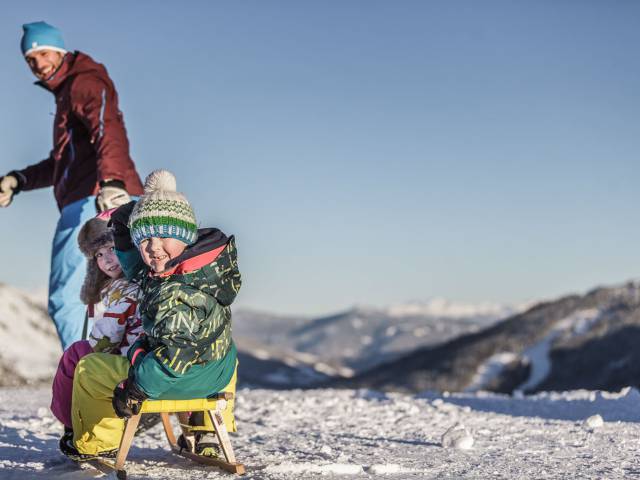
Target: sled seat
x,y
212,406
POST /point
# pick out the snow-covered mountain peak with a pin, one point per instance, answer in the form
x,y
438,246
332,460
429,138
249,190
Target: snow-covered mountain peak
x,y
443,308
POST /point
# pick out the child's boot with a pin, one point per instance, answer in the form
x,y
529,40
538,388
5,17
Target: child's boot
x,y
206,440
207,445
69,449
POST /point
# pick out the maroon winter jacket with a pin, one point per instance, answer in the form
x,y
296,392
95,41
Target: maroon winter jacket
x,y
89,138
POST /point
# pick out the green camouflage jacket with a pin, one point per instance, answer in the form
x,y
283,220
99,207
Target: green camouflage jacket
x,y
186,312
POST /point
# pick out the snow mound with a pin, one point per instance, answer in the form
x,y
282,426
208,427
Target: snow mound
x,y
457,437
594,421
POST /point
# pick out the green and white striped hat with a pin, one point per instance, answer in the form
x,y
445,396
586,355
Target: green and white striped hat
x,y
162,211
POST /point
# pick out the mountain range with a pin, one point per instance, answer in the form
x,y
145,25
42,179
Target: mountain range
x,y
576,341
275,351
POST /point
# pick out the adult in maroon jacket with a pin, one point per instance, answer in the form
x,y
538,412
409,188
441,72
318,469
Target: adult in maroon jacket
x,y
89,166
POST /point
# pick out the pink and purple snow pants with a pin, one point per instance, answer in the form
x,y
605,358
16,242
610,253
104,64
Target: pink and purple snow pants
x,y
62,387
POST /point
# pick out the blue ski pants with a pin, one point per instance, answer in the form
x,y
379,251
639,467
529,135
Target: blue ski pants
x,y
68,268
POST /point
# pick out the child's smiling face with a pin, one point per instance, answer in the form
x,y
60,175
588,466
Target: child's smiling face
x,y
156,252
108,261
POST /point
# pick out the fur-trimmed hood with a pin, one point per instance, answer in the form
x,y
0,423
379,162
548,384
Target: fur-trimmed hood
x,y
94,234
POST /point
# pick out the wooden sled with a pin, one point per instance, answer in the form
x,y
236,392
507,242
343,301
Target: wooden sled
x,y
211,406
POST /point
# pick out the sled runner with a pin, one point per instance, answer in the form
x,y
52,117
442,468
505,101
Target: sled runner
x,y
210,406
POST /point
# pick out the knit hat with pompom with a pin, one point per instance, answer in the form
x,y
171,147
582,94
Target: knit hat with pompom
x,y
162,211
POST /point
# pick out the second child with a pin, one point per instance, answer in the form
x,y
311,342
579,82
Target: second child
x,y
111,314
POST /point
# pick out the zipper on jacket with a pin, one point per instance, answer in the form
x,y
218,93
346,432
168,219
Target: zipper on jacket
x,y
102,107
72,150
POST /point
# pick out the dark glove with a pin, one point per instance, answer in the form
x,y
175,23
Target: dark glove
x,y
111,195
119,223
128,397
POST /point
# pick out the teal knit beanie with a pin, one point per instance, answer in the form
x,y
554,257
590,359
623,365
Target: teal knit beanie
x,y
162,211
41,36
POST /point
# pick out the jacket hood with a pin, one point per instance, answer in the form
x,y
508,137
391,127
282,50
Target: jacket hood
x,y
73,64
210,265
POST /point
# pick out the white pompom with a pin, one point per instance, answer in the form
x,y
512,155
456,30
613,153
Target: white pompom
x,y
160,180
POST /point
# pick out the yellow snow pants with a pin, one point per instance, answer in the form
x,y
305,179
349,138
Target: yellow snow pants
x,y
96,427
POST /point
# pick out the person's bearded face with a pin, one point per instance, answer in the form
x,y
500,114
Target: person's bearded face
x,y
44,63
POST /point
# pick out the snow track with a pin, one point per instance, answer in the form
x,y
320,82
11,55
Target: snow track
x,y
538,355
365,434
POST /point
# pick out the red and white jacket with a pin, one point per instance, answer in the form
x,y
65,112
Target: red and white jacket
x,y
115,319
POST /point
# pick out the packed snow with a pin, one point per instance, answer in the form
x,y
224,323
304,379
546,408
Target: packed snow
x,y
351,434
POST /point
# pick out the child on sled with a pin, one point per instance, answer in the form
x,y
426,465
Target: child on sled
x,y
188,281
111,311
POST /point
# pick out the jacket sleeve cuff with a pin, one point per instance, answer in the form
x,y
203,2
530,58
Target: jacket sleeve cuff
x,y
137,355
20,178
112,182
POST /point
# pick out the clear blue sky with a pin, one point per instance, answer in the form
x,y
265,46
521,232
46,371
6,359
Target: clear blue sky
x,y
363,152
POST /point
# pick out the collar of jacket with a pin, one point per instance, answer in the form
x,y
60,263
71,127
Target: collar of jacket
x,y
210,244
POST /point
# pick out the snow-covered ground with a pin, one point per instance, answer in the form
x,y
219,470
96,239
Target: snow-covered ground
x,y
365,434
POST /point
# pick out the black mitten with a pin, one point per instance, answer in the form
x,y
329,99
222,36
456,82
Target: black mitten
x,y
128,397
119,222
